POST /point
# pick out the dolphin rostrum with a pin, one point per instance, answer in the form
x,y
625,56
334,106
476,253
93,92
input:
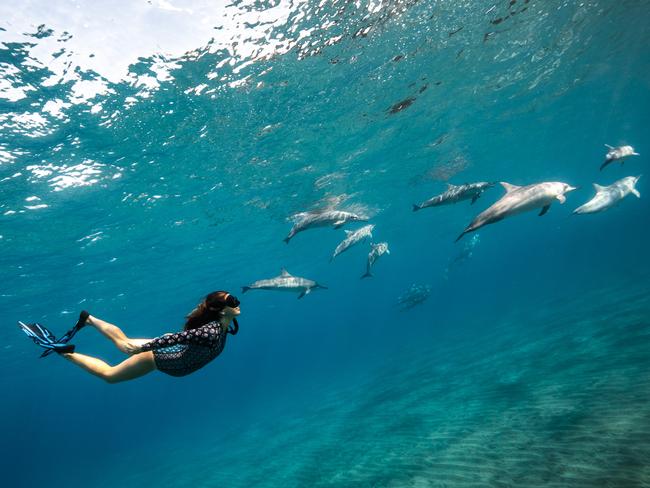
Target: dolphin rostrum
x,y
285,282
455,194
618,153
608,196
375,253
353,237
321,218
520,199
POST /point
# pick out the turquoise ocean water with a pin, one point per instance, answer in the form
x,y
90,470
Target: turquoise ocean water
x,y
151,152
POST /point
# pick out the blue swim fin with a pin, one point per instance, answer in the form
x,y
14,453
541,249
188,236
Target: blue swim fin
x,y
65,338
44,338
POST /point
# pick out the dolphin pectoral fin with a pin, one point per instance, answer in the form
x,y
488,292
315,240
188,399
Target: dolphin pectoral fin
x,y
561,198
636,193
301,295
607,161
544,210
475,197
339,224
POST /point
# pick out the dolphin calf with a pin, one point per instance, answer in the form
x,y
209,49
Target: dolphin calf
x,y
285,282
608,196
455,194
353,237
375,253
520,199
321,218
618,153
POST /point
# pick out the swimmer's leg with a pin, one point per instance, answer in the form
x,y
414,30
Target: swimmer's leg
x,y
115,334
131,368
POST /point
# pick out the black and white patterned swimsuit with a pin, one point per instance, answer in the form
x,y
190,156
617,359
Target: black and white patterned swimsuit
x,y
184,352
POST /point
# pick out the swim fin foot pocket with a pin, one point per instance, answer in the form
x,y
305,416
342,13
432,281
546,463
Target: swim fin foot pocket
x,y
64,349
83,317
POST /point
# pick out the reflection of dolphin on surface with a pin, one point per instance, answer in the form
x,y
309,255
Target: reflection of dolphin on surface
x,y
285,282
519,199
454,194
414,296
321,218
608,196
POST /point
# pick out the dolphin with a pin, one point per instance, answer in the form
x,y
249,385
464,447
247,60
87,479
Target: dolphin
x,y
618,153
415,295
321,218
285,282
375,253
608,196
353,237
455,194
520,199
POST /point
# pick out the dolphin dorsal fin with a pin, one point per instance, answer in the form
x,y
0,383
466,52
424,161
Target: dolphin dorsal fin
x,y
509,187
349,232
450,186
284,272
598,187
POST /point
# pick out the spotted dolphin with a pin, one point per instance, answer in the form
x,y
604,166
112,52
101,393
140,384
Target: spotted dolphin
x,y
618,154
520,199
455,194
322,218
608,196
352,238
285,282
376,251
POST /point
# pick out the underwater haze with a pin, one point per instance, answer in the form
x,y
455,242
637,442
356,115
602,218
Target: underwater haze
x,y
154,151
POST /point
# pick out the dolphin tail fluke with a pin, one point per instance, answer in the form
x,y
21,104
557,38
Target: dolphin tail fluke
x,y
367,274
318,285
244,289
416,207
461,235
286,240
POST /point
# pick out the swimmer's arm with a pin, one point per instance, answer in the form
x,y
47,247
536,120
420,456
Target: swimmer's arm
x,y
202,335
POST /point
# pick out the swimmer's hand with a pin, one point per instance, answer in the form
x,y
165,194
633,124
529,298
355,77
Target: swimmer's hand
x,y
132,348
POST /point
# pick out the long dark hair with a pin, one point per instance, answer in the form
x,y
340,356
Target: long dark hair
x,y
210,310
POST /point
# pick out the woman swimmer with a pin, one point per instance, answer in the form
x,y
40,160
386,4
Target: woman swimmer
x,y
202,340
